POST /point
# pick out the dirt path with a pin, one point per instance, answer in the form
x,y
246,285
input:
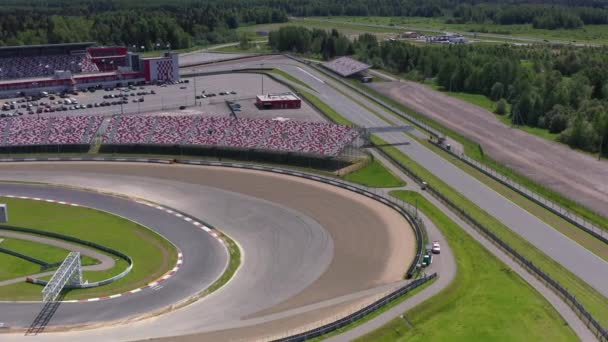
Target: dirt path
x,y
576,175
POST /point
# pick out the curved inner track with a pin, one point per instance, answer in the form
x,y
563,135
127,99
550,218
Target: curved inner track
x,y
304,244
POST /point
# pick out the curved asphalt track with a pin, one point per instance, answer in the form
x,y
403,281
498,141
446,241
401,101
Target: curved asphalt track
x,y
553,243
210,255
290,260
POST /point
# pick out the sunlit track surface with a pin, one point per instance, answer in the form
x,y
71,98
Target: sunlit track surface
x,y
550,241
307,247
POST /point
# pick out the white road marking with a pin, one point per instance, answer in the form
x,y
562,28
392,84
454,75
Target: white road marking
x,y
311,75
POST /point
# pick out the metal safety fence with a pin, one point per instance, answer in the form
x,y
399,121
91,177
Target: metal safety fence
x,y
327,328
580,222
592,323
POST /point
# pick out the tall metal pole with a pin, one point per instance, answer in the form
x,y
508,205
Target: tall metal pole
x,y
262,67
195,87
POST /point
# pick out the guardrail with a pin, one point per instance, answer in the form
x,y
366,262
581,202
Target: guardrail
x,y
579,222
82,242
42,263
359,314
593,324
596,231
409,212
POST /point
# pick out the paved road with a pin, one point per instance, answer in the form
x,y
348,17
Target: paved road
x,y
211,259
567,313
553,243
286,252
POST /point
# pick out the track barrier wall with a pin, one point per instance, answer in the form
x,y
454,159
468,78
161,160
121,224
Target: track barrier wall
x,y
408,211
592,323
360,313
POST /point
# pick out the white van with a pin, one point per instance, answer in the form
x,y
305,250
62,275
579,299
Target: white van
x,y
67,101
44,94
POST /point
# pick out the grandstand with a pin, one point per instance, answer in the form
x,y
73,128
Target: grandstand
x,y
44,131
308,138
65,67
315,138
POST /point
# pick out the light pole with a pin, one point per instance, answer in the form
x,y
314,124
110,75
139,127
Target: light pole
x,y
262,73
195,87
122,112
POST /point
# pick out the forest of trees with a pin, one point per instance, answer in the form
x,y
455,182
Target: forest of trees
x,y
564,91
131,22
183,23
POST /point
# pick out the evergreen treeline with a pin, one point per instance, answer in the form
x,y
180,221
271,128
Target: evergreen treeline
x,y
130,22
183,23
562,90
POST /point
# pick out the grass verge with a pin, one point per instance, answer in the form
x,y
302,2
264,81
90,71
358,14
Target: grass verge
x,y
152,258
595,302
376,313
482,301
568,229
374,175
475,151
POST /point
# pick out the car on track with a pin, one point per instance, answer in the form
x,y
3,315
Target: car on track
x,y
436,248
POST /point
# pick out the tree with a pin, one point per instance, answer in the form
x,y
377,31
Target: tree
x,y
244,43
501,107
497,91
601,128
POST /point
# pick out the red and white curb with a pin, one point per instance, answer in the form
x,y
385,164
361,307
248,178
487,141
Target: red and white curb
x,y
169,274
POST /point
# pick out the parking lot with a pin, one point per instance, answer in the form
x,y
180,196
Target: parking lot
x,y
212,93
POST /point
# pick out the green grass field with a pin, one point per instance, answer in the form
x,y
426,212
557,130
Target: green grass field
x,y
47,253
485,302
374,175
152,254
597,34
13,267
595,303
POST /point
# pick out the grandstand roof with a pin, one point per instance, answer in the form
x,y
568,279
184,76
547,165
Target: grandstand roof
x,y
346,66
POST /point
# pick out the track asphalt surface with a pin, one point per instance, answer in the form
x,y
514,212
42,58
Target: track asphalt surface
x,y
553,243
290,260
210,255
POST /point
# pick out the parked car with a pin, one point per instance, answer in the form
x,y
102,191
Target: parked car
x,y
436,249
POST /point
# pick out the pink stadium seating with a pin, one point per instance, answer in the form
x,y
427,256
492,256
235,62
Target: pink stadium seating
x,y
291,136
24,131
40,66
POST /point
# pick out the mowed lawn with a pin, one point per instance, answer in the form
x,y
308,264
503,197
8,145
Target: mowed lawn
x,y
374,175
152,254
485,302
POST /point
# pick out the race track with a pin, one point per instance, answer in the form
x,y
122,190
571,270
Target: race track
x,y
307,247
550,241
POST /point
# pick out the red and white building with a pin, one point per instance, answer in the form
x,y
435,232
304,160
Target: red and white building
x,y
65,67
278,101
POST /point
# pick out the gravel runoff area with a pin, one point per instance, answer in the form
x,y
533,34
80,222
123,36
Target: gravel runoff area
x,y
372,245
577,175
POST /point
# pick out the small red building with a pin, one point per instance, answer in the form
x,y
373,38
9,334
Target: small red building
x,y
278,101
